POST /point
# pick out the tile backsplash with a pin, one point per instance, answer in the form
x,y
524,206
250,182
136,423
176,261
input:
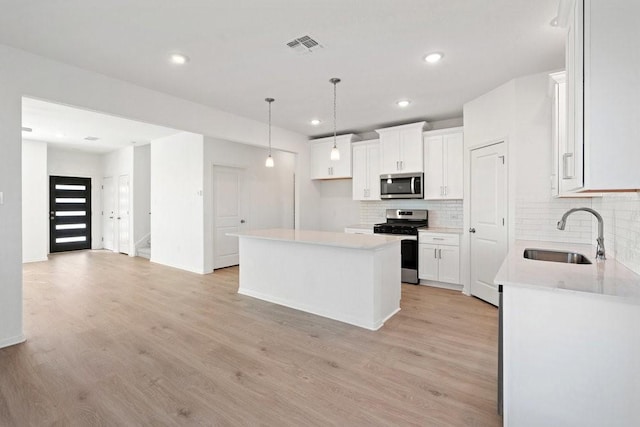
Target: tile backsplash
x,y
537,220
442,213
621,214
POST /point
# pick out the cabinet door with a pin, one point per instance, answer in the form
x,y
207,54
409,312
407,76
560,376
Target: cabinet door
x,y
433,173
453,148
390,152
374,171
320,168
341,168
571,155
360,172
449,265
428,262
411,146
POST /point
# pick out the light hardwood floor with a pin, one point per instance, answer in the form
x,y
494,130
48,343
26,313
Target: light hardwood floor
x,y
113,340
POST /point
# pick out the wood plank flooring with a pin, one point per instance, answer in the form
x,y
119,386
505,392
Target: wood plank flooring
x,y
114,340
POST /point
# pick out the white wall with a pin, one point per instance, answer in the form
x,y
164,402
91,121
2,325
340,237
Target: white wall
x,y
35,202
25,74
62,162
114,165
177,209
337,207
141,194
269,191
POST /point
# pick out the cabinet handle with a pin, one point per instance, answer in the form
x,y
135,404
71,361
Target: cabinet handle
x,y
397,165
401,165
565,165
440,253
438,238
435,253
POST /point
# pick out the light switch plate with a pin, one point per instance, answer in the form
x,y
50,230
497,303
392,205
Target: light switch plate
x,y
1,198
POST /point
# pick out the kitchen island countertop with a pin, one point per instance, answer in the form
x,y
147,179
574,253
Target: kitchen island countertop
x,y
324,238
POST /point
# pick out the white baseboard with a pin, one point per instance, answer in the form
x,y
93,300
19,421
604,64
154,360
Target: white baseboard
x,y
27,261
442,285
12,341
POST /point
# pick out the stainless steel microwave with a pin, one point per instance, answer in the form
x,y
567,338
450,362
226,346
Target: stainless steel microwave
x,y
402,186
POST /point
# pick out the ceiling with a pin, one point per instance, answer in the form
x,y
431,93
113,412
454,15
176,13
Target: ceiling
x,y
67,127
238,53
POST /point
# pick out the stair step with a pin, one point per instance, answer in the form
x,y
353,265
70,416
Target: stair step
x,y
144,252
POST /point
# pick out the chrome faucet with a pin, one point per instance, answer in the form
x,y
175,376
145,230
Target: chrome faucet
x,y
600,240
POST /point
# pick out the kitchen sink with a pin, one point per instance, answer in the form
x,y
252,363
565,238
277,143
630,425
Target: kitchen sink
x,y
555,256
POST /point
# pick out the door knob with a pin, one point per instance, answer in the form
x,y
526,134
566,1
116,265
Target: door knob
x,y
242,221
472,230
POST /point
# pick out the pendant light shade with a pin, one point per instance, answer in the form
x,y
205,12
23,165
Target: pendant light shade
x,y
269,162
335,153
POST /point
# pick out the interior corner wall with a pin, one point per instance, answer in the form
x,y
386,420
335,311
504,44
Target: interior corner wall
x,y
10,213
62,162
141,194
337,207
489,118
35,206
269,192
177,206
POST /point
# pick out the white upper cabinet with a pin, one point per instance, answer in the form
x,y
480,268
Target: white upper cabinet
x,y
443,164
322,167
603,93
401,148
366,170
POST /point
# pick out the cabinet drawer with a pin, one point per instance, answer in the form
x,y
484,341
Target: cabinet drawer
x,y
439,238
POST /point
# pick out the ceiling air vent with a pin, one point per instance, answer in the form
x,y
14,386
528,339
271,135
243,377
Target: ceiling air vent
x,y
91,138
304,44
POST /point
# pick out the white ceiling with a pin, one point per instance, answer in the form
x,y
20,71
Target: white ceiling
x,y
67,127
238,53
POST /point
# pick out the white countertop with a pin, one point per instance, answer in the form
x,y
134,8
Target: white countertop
x,y
607,278
441,230
324,238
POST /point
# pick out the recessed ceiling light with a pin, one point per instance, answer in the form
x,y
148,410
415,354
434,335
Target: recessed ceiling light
x,y
179,59
432,58
315,122
403,103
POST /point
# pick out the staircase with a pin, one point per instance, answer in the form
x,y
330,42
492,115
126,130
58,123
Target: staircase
x,y
145,251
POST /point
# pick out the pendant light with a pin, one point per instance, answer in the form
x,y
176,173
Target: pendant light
x,y
335,153
269,162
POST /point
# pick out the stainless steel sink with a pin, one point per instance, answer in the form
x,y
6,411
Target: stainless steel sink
x,y
555,256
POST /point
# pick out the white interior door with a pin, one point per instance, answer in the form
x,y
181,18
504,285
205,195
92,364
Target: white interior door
x,y
108,213
488,219
124,202
227,208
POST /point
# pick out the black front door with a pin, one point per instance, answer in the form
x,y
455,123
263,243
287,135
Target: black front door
x,y
69,213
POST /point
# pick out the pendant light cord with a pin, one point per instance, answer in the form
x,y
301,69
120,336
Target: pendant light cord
x,y
269,100
335,82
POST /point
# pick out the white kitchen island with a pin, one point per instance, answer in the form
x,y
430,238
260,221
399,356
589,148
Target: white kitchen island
x,y
353,278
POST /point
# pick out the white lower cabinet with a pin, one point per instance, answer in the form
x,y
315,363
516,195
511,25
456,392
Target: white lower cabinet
x,y
439,257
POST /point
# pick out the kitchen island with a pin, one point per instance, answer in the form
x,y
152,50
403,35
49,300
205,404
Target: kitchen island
x,y
353,278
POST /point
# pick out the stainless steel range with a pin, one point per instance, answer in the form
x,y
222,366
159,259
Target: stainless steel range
x,y
406,222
